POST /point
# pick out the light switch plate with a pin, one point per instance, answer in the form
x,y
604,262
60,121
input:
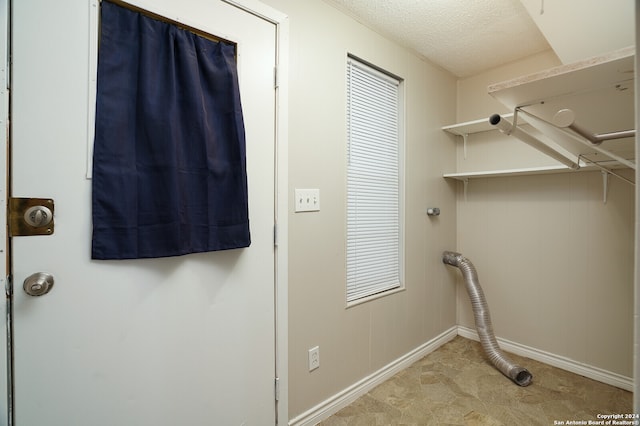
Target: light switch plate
x,y
307,200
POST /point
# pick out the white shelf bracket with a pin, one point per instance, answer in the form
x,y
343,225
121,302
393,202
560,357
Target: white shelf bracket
x,y
465,184
605,185
465,136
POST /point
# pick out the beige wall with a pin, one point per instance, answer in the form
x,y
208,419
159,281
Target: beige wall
x,y
556,263
357,341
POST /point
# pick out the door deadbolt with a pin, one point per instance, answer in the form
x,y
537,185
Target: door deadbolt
x,y
38,216
38,284
31,216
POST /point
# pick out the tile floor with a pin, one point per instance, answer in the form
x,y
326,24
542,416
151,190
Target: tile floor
x,y
456,385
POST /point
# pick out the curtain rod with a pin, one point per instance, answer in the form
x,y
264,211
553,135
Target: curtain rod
x,y
170,21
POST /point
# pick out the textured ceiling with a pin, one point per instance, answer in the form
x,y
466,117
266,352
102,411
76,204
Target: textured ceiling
x,y
464,37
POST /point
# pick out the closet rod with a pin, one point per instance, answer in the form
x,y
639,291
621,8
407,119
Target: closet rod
x,y
566,118
605,170
170,21
595,147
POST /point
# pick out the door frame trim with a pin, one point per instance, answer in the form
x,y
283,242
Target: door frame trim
x,y
281,21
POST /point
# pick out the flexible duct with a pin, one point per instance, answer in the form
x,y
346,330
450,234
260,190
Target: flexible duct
x,y
519,375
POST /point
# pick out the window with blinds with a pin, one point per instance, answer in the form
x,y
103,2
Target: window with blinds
x,y
373,181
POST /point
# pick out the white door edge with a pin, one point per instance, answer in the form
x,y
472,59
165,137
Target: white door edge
x,y
4,132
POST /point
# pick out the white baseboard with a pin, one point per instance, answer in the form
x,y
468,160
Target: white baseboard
x,y
567,364
360,388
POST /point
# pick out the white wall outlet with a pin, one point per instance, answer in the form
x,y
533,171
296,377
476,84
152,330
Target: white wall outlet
x,y
307,200
314,358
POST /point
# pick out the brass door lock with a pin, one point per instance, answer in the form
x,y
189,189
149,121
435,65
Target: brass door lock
x,y
30,216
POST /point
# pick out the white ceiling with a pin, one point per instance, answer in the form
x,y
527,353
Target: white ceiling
x,y
467,37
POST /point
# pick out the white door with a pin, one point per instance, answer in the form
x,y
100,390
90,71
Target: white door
x,y
177,341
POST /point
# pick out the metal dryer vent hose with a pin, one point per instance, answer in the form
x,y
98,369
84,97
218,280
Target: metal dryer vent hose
x,y
519,375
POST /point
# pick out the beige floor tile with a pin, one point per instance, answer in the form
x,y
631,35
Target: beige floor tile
x,y
456,385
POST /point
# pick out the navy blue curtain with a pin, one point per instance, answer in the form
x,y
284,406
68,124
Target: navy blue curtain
x,y
169,169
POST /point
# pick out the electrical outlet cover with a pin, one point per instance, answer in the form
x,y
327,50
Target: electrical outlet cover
x,y
314,358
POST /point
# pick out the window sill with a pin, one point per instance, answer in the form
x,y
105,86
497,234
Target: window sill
x,y
375,296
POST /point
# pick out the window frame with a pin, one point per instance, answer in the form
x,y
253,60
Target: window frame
x,y
377,72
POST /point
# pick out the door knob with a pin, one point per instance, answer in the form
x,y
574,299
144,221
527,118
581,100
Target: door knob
x,y
38,284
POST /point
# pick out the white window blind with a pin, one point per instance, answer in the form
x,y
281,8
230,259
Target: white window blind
x,y
373,181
